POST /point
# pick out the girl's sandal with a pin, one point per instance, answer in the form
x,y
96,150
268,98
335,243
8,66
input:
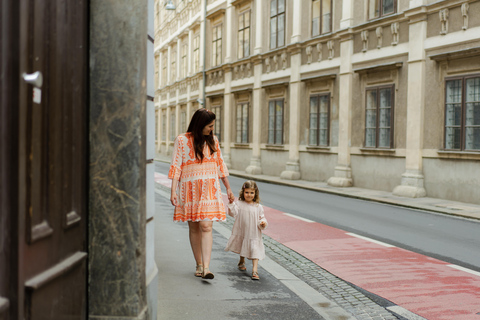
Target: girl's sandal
x,y
199,270
242,267
207,274
255,276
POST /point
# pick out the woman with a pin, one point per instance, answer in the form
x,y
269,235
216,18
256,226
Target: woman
x,y
197,164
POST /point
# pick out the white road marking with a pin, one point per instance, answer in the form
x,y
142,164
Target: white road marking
x,y
297,217
405,313
371,240
464,269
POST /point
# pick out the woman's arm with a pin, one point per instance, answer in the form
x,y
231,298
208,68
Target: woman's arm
x,y
173,193
230,195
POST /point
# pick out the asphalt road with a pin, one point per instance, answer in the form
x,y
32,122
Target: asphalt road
x,y
451,239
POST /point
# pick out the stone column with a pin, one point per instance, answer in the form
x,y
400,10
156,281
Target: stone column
x,y
292,170
259,29
412,180
343,171
227,113
229,55
255,166
117,202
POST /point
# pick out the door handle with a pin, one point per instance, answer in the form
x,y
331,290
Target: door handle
x,y
35,79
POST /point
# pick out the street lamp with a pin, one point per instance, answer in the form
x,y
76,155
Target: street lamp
x,y
170,5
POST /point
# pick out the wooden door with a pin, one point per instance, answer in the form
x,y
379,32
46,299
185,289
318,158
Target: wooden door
x,y
52,159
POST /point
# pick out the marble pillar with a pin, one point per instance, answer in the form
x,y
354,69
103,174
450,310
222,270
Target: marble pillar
x,y
255,166
117,203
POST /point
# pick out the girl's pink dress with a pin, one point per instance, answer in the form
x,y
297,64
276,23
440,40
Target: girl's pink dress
x,y
199,192
246,238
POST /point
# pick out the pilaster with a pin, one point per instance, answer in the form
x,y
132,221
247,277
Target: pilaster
x,y
228,105
412,184
343,171
260,27
255,166
292,170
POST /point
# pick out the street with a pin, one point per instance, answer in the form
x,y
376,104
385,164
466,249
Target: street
x,y
451,239
418,260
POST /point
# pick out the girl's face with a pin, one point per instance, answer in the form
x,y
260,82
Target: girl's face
x,y
248,194
208,128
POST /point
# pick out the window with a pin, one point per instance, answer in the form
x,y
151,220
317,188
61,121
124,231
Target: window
x,y
184,60
380,8
173,71
244,35
196,54
217,129
156,125
183,121
172,126
462,114
321,19
319,120
242,123
379,117
277,23
164,69
217,46
164,126
275,121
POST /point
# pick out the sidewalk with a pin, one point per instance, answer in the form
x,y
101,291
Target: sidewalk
x,y
232,294
455,208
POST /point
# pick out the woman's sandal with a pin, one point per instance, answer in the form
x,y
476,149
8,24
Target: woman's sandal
x,y
207,274
199,270
255,276
241,266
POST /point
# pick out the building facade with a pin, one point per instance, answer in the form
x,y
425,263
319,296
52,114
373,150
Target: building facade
x,y
378,94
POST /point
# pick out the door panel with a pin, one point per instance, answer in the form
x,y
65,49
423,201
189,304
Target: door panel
x,y
53,159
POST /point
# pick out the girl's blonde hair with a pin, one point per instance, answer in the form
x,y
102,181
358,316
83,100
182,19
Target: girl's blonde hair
x,y
251,185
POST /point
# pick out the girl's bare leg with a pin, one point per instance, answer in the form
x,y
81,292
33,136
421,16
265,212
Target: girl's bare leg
x,y
195,236
255,265
206,242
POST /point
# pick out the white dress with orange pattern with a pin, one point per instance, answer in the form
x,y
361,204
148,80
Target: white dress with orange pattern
x,y
199,192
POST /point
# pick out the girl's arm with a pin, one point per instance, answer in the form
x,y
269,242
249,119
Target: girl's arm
x,y
232,209
262,222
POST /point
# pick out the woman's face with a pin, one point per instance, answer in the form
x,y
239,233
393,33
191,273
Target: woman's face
x,y
208,128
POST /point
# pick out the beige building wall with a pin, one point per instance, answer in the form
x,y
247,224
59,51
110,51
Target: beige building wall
x,y
360,67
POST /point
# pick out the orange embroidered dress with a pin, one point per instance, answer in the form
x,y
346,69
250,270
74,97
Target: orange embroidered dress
x,y
199,194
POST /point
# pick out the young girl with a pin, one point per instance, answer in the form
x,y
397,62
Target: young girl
x,y
246,238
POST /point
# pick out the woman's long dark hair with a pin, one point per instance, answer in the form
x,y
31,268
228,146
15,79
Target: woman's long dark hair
x,y
201,118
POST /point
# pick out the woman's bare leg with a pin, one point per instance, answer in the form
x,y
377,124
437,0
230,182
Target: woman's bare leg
x,y
195,236
206,242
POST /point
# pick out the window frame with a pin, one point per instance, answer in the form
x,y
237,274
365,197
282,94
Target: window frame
x,y
377,120
217,129
320,19
217,45
276,16
184,60
244,123
173,66
380,9
275,122
196,53
318,96
463,113
242,31
164,69
172,125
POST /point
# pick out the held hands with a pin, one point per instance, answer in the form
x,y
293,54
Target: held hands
x,y
230,195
